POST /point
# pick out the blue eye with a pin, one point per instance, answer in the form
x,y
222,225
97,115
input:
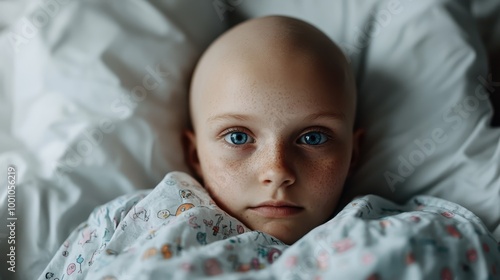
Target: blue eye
x,y
313,138
237,138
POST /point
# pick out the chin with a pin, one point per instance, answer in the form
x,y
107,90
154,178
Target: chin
x,y
285,234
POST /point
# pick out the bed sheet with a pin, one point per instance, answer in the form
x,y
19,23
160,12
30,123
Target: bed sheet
x,y
177,232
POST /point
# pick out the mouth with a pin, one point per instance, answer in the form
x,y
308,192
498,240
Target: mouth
x,y
277,209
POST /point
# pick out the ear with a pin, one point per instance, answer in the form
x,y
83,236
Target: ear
x,y
357,138
191,152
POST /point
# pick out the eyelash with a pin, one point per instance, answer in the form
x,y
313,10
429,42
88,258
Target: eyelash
x,y
326,132
233,130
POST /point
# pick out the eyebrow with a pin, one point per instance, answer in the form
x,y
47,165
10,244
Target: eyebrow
x,y
238,117
311,117
329,115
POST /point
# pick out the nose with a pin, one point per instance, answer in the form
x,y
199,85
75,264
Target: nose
x,y
276,167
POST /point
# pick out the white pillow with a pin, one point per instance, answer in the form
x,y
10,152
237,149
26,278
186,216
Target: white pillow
x,y
420,68
93,100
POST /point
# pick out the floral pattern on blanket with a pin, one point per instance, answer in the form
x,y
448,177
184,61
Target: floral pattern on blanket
x,y
177,232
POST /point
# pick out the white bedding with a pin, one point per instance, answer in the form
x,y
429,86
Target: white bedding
x,y
93,99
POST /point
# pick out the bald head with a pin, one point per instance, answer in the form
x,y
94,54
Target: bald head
x,y
272,106
287,45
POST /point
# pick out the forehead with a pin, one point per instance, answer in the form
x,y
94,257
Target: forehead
x,y
262,85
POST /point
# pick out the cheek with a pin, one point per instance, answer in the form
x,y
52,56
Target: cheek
x,y
220,173
326,179
226,182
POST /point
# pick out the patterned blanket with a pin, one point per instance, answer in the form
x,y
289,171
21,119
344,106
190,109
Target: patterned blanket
x,y
177,232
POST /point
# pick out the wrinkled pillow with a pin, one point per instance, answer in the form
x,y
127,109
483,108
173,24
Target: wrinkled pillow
x,y
93,101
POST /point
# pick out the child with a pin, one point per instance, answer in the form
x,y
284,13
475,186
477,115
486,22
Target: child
x,y
273,107
273,104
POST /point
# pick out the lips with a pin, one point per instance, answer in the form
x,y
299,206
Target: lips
x,y
277,209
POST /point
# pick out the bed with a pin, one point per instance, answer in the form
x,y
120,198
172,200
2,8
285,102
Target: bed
x,y
81,125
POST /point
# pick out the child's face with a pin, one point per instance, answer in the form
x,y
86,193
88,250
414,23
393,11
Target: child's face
x,y
273,142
